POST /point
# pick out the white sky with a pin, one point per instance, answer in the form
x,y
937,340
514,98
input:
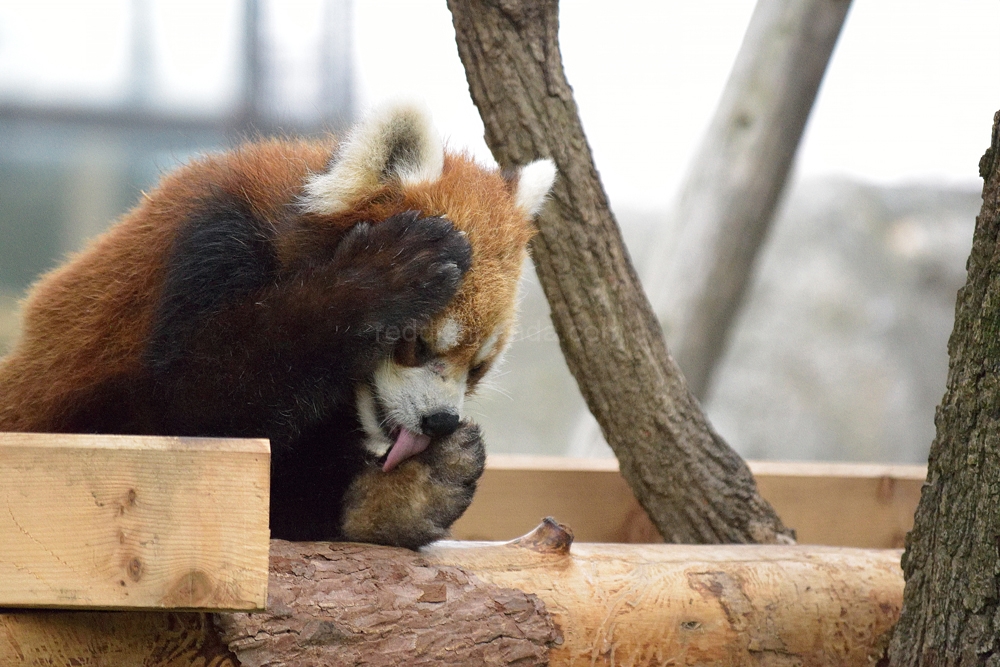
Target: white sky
x,y
910,93
909,96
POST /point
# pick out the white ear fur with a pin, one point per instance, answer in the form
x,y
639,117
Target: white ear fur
x,y
397,142
533,184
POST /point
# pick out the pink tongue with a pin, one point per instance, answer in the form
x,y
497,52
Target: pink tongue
x,y
407,444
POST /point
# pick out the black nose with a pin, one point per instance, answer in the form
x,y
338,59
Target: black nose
x,y
439,424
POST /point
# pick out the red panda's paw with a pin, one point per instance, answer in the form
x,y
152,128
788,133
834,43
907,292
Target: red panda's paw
x,y
415,265
418,501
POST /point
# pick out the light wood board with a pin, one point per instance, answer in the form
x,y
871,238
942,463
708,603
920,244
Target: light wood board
x,y
133,522
855,505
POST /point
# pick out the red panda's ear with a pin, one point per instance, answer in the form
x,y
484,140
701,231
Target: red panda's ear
x,y
397,143
534,180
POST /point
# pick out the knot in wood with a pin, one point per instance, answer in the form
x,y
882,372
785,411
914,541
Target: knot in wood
x,y
550,537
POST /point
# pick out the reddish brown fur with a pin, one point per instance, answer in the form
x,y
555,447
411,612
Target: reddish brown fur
x,y
89,319
132,335
479,203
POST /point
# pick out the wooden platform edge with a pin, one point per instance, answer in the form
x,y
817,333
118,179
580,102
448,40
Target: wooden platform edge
x,y
840,504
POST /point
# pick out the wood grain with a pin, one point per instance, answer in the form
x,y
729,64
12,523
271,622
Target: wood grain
x,y
855,505
620,604
133,522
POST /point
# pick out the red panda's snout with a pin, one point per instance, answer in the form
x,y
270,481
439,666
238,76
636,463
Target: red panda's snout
x,y
417,394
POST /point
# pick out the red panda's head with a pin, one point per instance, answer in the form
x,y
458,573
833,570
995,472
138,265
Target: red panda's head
x,y
395,162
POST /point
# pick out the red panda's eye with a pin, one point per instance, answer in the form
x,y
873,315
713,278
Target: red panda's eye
x,y
411,351
405,353
477,371
422,351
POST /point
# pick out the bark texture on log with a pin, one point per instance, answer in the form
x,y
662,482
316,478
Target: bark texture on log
x,y
730,192
951,612
349,604
329,604
454,604
692,485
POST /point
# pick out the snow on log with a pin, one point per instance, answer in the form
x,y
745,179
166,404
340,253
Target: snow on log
x,y
533,601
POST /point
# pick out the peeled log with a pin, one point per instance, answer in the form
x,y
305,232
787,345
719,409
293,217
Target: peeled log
x,y
655,604
533,601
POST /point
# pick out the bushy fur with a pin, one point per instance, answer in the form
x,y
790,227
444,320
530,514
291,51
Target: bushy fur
x,y
272,290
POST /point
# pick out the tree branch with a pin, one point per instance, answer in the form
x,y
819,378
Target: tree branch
x,y
694,487
729,195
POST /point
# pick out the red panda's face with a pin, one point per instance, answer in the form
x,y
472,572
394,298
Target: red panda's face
x,y
395,163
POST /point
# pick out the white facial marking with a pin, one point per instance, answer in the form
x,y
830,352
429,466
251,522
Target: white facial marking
x,y
397,142
486,349
533,185
377,443
448,335
408,394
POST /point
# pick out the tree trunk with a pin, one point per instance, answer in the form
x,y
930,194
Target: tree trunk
x,y
951,608
692,485
728,199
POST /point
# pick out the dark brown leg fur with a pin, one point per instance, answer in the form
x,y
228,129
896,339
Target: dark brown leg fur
x,y
277,352
274,360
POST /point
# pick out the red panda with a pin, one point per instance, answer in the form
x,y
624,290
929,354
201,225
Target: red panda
x,y
339,299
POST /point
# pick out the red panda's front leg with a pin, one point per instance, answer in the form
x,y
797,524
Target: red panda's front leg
x,y
243,347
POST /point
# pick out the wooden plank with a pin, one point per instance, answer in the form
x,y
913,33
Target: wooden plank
x,y
856,505
133,522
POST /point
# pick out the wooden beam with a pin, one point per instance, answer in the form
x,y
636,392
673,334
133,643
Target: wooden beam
x,y
133,522
855,505
536,601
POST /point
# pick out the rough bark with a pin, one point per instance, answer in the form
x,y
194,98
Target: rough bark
x,y
692,485
328,604
951,609
730,192
349,604
532,601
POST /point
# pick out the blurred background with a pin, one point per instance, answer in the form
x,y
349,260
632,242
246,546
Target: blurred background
x,y
839,352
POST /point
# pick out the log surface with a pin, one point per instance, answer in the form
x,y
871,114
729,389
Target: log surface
x,y
524,603
349,604
728,605
133,522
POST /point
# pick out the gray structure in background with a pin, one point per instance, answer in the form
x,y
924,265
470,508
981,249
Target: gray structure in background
x,y
67,171
839,353
732,187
